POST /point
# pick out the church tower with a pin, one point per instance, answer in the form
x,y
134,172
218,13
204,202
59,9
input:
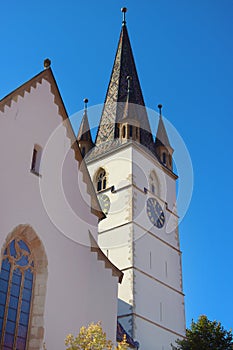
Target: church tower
x,y
136,186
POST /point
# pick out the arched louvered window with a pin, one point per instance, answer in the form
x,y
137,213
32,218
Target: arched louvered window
x,y
101,180
154,183
16,288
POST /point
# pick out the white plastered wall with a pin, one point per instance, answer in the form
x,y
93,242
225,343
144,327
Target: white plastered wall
x,y
79,287
149,256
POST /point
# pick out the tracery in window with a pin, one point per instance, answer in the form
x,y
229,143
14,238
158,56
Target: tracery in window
x,y
154,183
16,286
101,180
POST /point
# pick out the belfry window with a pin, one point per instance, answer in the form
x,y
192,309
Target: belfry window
x,y
130,131
164,158
101,180
117,131
83,151
123,131
36,158
154,183
16,287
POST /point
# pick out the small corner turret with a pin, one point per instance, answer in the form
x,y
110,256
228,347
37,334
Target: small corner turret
x,y
163,148
84,137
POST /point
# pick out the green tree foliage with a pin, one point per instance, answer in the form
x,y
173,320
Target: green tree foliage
x,y
206,335
92,338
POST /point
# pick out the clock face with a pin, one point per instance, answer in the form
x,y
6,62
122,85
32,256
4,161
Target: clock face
x,y
104,203
155,212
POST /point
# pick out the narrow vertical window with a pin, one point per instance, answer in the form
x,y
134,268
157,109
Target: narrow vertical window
x,y
123,131
154,183
161,312
36,157
117,131
164,158
16,285
83,151
130,131
152,188
166,268
101,180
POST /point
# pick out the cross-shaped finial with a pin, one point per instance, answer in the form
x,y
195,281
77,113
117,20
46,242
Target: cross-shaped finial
x,y
124,10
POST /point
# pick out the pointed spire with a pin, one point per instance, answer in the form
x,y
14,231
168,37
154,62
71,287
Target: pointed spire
x,y
163,147
84,135
117,94
161,136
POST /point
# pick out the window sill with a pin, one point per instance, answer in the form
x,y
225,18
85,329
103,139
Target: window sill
x,y
35,173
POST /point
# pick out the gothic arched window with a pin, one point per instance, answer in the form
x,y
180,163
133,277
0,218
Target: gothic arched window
x,y
154,183
101,180
16,288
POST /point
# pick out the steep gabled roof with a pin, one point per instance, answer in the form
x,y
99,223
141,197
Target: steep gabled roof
x,y
47,74
124,66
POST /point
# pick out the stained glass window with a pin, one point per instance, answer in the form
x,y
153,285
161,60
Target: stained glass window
x,y
16,285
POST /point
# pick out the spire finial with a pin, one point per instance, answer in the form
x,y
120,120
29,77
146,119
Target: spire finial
x,y
47,63
85,104
124,10
160,109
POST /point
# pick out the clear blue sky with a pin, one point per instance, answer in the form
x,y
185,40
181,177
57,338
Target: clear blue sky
x,y
184,56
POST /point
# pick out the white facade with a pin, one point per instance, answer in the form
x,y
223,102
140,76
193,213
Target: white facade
x,y
151,300
52,213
